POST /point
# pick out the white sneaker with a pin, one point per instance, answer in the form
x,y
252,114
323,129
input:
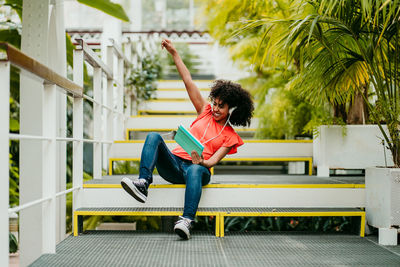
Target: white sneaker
x,y
182,227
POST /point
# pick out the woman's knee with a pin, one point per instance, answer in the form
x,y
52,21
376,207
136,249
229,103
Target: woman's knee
x,y
198,174
152,137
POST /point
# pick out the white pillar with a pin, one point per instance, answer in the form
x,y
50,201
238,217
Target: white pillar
x,y
97,122
58,63
163,7
112,29
136,11
49,168
35,20
77,151
4,152
191,15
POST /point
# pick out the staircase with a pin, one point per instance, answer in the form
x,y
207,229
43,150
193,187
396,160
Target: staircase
x,y
248,194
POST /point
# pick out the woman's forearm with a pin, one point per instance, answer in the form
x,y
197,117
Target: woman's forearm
x,y
209,163
181,67
217,157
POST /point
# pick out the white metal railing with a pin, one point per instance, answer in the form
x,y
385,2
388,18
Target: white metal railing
x,y
108,120
200,43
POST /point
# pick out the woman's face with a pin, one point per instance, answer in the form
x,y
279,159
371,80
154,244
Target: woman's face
x,y
220,111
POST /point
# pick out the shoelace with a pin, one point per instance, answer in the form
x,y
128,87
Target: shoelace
x,y
141,182
185,221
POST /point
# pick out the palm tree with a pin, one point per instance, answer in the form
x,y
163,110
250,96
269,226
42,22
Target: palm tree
x,y
347,48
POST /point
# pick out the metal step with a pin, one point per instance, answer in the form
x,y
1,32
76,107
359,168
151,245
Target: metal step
x,y
282,191
290,212
219,213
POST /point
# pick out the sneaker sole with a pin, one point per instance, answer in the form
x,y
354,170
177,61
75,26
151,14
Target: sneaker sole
x,y
134,192
181,234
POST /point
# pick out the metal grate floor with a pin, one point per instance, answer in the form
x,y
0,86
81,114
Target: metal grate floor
x,y
118,248
216,209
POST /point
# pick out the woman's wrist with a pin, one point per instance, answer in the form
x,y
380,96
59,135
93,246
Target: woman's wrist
x,y
174,53
204,163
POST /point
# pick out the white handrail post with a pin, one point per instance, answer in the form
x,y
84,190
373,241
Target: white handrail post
x,y
97,122
4,152
121,91
128,94
49,165
77,165
110,103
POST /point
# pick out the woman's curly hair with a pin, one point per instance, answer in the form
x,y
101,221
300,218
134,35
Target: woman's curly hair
x,y
235,96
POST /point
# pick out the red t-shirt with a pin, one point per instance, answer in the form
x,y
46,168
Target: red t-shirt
x,y
205,123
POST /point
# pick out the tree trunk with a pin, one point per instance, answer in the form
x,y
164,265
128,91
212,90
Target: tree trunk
x,y
339,111
358,112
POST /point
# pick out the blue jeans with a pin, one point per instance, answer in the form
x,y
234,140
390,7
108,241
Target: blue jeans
x,y
175,170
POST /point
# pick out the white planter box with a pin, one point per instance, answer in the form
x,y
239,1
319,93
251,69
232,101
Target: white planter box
x,y
382,202
359,148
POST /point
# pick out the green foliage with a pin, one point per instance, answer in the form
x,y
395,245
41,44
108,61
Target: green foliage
x,y
284,116
204,223
13,182
143,79
347,48
11,35
281,112
70,50
14,145
313,224
274,224
126,167
13,243
107,7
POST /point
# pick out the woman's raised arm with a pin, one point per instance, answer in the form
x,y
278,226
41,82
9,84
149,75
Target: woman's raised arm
x,y
197,100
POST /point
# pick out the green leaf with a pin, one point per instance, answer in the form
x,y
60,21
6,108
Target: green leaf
x,y
107,7
13,243
14,125
70,50
11,36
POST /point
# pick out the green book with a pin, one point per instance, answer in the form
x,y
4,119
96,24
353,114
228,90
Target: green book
x,y
187,141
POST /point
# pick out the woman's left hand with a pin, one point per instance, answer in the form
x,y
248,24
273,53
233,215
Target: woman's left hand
x,y
196,159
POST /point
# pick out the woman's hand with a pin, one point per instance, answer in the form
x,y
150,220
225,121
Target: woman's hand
x,y
196,159
167,44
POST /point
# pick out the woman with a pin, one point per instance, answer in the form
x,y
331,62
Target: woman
x,y
231,104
